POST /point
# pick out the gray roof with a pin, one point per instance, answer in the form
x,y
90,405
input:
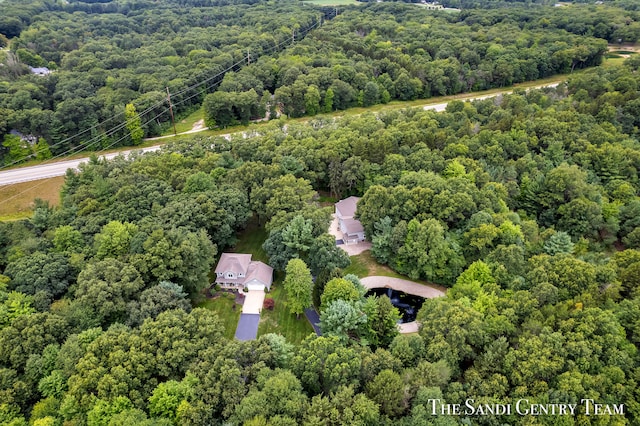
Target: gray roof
x,y
352,226
348,206
260,272
233,262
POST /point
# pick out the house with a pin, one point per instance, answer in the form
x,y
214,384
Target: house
x,y
351,228
238,271
41,71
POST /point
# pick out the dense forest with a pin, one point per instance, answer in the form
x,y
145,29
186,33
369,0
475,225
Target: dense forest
x,y
525,205
112,62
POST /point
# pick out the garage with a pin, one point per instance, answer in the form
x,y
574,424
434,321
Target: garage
x,y
255,286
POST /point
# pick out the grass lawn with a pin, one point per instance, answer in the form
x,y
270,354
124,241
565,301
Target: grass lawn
x,y
364,265
223,306
250,241
16,201
280,320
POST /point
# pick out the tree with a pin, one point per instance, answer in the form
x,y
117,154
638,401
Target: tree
x,y
106,287
344,319
387,390
560,242
48,272
325,255
133,124
328,101
114,239
312,100
298,285
339,288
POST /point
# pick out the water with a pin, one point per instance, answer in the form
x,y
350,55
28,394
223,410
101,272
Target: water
x,y
407,304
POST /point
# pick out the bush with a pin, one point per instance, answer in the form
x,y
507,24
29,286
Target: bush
x,y
269,304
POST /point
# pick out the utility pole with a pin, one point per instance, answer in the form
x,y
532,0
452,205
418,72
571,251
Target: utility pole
x,y
175,132
248,56
293,36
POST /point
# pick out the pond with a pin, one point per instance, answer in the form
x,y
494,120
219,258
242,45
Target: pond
x,y
407,304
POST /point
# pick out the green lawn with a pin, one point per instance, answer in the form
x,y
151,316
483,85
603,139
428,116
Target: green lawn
x,y
250,241
223,306
280,320
364,265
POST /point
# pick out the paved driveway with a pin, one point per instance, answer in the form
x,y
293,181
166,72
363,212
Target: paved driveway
x,y
248,327
253,301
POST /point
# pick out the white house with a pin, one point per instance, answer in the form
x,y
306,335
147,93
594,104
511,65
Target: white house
x,y
351,228
237,270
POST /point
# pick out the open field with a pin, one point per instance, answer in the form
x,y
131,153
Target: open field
x,y
16,201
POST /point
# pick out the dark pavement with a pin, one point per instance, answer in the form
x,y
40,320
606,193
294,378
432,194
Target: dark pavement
x,y
247,327
314,319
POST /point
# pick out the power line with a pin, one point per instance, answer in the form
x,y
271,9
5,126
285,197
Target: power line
x,y
114,129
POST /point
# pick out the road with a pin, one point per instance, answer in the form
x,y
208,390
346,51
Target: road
x,y
53,169
59,168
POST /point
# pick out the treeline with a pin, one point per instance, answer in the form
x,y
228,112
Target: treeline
x,y
366,56
526,205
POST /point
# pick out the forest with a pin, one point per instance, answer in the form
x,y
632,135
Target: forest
x,y
524,207
112,63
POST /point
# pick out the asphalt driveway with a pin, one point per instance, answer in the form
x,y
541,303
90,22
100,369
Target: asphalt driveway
x,y
247,327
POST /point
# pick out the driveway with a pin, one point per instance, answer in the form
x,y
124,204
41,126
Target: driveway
x,y
351,249
253,301
248,327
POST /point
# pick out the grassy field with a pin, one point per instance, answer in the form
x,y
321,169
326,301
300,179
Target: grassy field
x,y
223,306
280,320
16,201
187,122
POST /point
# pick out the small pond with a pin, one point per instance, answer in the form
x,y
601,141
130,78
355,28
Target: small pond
x,y
407,304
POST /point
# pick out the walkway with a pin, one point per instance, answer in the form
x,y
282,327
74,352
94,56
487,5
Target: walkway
x,y
408,287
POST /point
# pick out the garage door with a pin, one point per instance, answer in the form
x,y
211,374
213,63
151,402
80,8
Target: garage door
x,y
255,286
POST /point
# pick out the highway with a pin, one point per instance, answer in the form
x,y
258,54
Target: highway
x,y
59,168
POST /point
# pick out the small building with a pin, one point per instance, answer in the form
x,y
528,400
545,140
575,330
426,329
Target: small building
x,y
238,271
41,71
351,228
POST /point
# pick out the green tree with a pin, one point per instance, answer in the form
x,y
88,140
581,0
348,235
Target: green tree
x,y
312,100
133,124
387,390
114,239
328,100
298,285
325,255
339,288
